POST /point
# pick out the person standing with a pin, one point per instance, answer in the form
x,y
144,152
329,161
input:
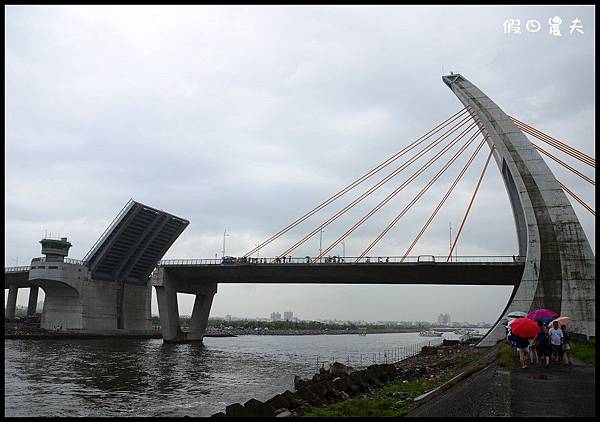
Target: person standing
x,y
543,344
556,340
523,349
533,351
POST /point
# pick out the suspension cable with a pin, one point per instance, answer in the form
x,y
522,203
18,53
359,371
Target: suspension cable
x,y
361,179
573,150
382,181
443,200
567,149
402,186
565,165
578,199
576,155
419,195
462,223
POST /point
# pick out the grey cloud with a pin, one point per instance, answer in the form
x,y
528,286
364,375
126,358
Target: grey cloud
x,y
247,117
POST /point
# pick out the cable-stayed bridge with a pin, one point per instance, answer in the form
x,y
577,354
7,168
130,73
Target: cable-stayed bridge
x,y
554,267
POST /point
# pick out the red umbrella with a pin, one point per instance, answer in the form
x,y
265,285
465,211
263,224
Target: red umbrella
x,y
525,327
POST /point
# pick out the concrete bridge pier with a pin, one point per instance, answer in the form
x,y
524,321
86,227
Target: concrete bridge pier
x,y
199,319
11,305
33,296
167,286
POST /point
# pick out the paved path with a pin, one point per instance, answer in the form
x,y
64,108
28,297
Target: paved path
x,y
561,390
485,393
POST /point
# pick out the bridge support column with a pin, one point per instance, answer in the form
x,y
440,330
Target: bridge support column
x,y
33,296
168,312
199,321
11,305
167,287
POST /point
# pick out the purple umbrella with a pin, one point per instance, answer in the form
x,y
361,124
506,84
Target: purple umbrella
x,y
541,314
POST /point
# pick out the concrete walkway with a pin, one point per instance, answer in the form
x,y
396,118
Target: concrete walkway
x,y
561,390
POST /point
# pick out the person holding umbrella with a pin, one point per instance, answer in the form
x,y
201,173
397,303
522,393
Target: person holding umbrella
x,y
556,339
538,315
523,349
543,344
522,330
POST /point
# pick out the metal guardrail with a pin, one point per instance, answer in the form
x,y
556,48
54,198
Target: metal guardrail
x,y
17,269
39,259
66,260
106,232
362,360
343,260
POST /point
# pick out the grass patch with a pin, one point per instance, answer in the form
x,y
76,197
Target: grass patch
x,y
585,351
413,388
359,407
506,356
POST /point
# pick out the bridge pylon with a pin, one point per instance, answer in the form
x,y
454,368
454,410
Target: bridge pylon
x,y
559,272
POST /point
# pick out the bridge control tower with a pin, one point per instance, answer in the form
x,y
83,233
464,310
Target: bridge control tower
x,y
55,249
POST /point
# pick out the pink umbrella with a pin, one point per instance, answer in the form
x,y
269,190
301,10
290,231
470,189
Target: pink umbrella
x,y
563,320
541,314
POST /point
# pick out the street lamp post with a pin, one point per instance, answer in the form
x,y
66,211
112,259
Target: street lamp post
x,y
450,241
320,245
224,236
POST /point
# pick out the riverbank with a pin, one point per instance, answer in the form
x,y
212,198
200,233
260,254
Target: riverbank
x,y
378,390
32,331
213,331
421,379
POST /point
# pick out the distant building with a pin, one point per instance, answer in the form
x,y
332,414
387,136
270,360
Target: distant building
x,y
227,317
443,319
288,315
275,316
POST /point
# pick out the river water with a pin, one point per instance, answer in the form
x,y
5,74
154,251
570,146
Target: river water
x,y
123,377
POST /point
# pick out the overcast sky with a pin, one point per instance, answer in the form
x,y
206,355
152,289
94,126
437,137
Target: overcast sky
x,y
245,117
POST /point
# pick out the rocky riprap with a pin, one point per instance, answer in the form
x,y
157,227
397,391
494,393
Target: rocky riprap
x,y
340,383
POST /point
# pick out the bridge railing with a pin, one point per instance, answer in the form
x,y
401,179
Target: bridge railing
x,y
343,260
17,269
66,260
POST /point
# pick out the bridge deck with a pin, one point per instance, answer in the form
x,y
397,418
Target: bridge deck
x,y
451,273
16,277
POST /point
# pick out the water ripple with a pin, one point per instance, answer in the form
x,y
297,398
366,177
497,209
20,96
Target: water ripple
x,y
117,377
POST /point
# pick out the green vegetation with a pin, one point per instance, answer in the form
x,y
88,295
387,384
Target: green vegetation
x,y
359,407
585,351
387,400
304,325
21,311
506,356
